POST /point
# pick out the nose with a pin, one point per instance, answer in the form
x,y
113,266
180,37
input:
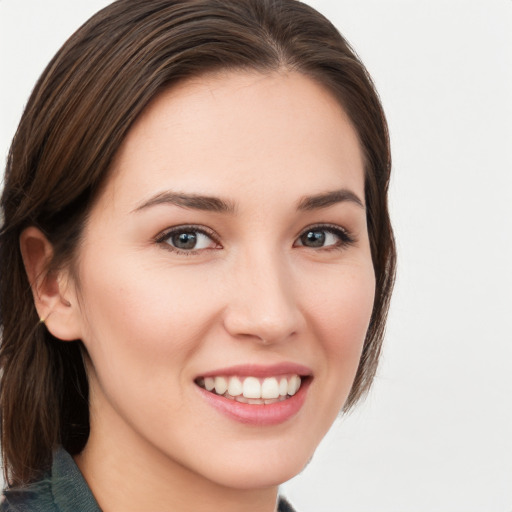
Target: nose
x,y
263,304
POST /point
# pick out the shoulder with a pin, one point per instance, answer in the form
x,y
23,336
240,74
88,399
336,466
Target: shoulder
x,y
36,497
62,490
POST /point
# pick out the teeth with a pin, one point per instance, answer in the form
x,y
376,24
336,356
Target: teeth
x,y
270,388
235,386
221,385
293,385
209,383
251,389
283,387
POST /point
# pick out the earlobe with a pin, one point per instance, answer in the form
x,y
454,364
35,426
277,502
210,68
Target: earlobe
x,y
54,295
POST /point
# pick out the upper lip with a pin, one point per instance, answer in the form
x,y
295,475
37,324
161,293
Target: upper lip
x,y
256,370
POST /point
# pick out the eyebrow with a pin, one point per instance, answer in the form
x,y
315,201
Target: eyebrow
x,y
192,201
326,199
218,205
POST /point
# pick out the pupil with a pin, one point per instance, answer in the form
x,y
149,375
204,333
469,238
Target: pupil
x,y
184,240
314,239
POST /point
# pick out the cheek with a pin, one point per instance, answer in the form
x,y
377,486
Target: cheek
x,y
140,319
340,314
342,307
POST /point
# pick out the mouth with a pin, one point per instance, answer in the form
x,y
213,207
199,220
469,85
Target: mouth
x,y
257,395
253,390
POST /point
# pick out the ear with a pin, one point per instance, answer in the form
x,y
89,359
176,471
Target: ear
x,y
54,292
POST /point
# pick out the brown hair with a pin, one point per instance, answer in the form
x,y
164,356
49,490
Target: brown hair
x,y
75,121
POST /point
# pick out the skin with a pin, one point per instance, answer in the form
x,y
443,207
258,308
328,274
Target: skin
x,y
153,320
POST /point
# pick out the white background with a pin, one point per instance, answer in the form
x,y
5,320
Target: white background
x,y
435,434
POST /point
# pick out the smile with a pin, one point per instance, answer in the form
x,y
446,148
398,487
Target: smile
x,y
256,395
252,390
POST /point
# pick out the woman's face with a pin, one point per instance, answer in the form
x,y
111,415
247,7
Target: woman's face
x,y
229,248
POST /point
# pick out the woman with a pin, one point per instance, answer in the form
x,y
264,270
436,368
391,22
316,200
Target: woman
x,y
200,257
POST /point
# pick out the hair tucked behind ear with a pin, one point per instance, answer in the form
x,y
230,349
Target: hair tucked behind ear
x,y
76,119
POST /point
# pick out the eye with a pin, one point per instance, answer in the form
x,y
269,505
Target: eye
x,y
187,239
324,237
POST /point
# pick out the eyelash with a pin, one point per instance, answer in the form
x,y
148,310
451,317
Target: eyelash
x,y
163,237
345,238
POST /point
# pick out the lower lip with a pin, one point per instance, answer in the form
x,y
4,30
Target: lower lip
x,y
264,414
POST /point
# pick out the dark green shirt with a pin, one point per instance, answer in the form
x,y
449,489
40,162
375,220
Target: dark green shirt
x,y
63,490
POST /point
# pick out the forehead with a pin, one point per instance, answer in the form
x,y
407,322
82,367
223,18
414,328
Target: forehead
x,y
240,134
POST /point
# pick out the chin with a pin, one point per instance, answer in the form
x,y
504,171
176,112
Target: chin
x,y
255,476
259,467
